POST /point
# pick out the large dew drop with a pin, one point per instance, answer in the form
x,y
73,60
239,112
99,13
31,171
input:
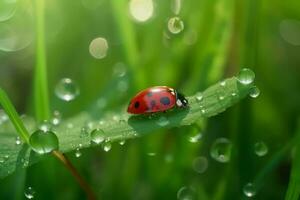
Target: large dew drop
x,y
246,76
260,148
29,193
175,25
141,10
66,89
254,92
98,48
186,193
107,146
97,136
43,142
249,190
221,150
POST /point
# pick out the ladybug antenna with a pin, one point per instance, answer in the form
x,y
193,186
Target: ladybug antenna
x,y
181,100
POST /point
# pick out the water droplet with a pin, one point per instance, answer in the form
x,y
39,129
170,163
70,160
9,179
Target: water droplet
x,y
7,9
221,97
66,89
221,150
151,154
162,121
260,148
29,193
199,97
3,117
97,136
56,118
122,142
141,10
107,146
203,111
246,76
98,48
254,92
18,140
249,190
195,138
186,193
175,25
78,153
119,69
233,94
84,132
101,122
45,126
43,142
290,31
223,83
200,164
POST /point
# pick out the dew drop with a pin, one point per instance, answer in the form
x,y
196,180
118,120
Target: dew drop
x,y
98,48
233,94
254,92
122,142
3,117
97,136
249,190
43,142
45,126
260,148
221,98
162,121
141,10
223,83
199,97
107,146
175,25
203,111
78,153
246,76
29,193
195,138
200,164
18,140
84,132
119,69
56,118
66,89
221,150
186,193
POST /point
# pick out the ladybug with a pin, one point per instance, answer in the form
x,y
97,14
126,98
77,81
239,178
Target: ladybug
x,y
156,99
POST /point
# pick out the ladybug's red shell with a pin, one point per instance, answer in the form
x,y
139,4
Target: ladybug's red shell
x,y
154,99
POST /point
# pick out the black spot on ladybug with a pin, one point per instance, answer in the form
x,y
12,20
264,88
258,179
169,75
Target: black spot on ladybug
x,y
149,94
136,104
165,100
152,103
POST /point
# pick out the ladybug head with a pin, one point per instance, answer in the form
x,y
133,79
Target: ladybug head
x,y
181,101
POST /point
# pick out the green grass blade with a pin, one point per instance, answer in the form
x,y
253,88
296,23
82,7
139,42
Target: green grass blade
x,y
293,191
125,126
13,116
41,96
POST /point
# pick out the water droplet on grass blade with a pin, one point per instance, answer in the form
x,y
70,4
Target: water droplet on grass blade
x,y
221,150
98,48
260,148
97,136
29,193
78,153
107,146
43,142
246,76
18,140
200,164
223,83
162,121
195,138
254,92
199,97
122,142
56,118
3,116
175,25
141,10
249,190
186,193
66,89
45,126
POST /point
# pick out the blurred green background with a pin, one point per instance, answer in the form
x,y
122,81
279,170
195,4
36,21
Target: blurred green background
x,y
210,40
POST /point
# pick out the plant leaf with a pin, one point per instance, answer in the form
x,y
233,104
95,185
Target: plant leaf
x,y
75,132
